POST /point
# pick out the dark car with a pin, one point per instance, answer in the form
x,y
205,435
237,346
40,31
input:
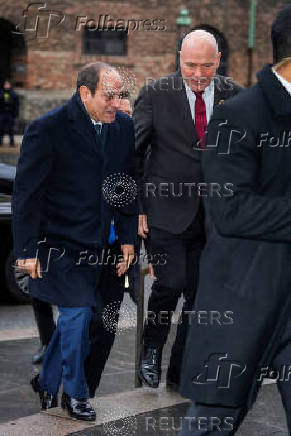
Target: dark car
x,y
7,176
13,281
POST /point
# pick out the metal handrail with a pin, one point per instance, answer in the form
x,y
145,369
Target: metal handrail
x,y
139,327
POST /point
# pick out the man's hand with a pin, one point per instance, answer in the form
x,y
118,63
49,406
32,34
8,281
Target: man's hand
x,y
143,226
128,256
30,266
151,271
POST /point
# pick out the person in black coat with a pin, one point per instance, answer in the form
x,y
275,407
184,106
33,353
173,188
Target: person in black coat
x,y
9,109
64,201
170,117
110,293
243,298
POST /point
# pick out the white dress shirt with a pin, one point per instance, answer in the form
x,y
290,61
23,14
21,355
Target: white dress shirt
x,y
208,97
284,82
96,122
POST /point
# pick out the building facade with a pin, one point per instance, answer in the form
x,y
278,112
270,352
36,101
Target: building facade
x,y
44,44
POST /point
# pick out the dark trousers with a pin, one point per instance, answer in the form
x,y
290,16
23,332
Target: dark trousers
x,y
43,313
7,122
228,419
175,263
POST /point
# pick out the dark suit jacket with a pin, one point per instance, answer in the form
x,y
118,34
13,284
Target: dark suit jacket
x,y
245,265
57,192
162,119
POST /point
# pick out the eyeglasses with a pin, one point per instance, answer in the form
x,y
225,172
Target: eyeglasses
x,y
111,96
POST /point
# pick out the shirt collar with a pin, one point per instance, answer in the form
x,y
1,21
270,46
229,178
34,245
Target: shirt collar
x,y
96,122
207,91
284,82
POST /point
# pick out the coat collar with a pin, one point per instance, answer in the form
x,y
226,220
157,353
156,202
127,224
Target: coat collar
x,y
277,95
81,123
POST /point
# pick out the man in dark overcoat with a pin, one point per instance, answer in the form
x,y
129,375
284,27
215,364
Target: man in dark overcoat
x,y
240,326
170,117
71,161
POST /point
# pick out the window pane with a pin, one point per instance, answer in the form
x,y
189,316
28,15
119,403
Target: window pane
x,y
105,42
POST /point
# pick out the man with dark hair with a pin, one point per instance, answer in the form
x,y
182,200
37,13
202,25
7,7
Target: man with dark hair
x,y
61,221
281,35
245,266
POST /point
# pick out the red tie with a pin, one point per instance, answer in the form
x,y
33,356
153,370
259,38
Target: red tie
x,y
200,117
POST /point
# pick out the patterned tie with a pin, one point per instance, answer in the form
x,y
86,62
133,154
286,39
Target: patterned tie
x,y
101,130
200,118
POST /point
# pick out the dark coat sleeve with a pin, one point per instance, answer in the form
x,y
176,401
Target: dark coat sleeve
x,y
127,217
236,160
34,166
143,125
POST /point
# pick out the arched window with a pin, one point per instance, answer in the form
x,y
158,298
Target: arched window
x,y
13,54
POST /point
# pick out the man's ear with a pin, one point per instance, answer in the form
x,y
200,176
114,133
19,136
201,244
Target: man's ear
x,y
85,93
218,59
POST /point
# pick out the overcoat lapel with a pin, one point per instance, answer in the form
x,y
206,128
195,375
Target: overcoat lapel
x,y
81,126
181,102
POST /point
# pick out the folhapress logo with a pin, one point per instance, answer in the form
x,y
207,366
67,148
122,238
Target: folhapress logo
x,y
220,370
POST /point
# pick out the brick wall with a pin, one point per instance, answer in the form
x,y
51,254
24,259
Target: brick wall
x,y
52,62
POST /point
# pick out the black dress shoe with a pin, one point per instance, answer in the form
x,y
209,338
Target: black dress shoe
x,y
38,356
47,401
80,409
150,368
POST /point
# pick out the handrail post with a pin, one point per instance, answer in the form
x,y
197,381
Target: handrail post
x,y
139,326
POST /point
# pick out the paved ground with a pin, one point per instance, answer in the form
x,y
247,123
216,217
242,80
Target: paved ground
x,y
121,409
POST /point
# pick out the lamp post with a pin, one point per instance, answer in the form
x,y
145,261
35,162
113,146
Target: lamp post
x,y
183,22
251,42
